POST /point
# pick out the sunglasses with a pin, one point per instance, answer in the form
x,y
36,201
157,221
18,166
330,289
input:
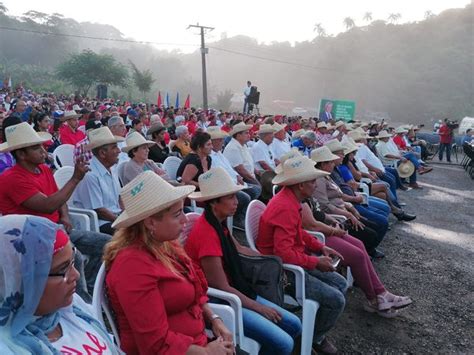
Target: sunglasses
x,y
63,273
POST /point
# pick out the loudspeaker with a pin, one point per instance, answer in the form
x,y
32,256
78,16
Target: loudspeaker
x,y
254,96
101,91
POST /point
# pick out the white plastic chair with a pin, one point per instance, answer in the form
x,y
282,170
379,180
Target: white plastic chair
x,y
63,155
171,165
247,344
120,169
80,221
310,307
63,175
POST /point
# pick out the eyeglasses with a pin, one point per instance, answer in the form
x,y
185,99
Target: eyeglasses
x,y
63,273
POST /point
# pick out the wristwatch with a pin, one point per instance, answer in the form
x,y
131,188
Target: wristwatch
x,y
214,317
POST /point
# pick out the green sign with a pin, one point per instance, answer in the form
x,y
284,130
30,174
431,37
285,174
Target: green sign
x,y
337,110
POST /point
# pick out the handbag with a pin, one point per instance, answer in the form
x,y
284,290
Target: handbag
x,y
265,275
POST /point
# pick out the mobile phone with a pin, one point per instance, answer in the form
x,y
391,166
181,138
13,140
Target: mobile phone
x,y
335,261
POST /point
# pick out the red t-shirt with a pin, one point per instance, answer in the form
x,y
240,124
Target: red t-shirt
x,y
18,184
445,134
67,136
400,142
158,312
191,127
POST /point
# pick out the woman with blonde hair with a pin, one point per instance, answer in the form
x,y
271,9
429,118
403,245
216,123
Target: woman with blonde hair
x,y
158,297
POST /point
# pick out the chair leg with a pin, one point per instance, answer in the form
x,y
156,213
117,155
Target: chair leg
x,y
310,308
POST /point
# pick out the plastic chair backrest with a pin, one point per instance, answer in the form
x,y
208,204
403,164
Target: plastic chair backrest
x,y
191,219
171,165
63,155
100,302
63,175
120,169
252,221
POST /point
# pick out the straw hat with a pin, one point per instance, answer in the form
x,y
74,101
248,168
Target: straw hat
x,y
356,135
349,148
364,124
339,124
278,127
266,128
298,133
102,136
240,127
147,195
322,125
400,130
157,126
216,133
383,134
293,153
135,140
215,182
323,154
69,114
334,145
22,135
297,170
406,169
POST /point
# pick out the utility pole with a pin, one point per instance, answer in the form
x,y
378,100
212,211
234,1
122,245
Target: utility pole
x,y
204,51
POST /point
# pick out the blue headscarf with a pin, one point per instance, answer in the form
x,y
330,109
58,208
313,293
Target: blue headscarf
x,y
26,252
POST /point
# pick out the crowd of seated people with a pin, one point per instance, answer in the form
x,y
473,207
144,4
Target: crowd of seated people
x,y
157,287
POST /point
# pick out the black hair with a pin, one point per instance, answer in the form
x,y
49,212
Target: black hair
x,y
7,122
37,118
346,159
199,140
157,132
131,152
136,121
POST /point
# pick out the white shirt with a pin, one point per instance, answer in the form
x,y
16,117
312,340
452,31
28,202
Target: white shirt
x,y
263,152
388,148
218,159
247,91
280,148
238,154
364,153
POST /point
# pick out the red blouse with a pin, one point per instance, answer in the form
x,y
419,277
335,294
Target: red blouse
x,y
157,311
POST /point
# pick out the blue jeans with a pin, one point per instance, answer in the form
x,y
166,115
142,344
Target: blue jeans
x,y
394,173
379,219
274,338
90,244
378,205
412,157
442,148
243,201
328,289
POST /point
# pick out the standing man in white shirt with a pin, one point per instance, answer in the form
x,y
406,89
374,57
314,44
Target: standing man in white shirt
x,y
280,144
219,160
246,97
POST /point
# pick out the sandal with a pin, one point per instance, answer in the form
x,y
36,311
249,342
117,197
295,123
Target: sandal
x,y
387,313
396,301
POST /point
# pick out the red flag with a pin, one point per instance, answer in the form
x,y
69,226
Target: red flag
x,y
158,102
187,104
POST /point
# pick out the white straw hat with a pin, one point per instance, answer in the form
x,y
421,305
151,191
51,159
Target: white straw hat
x,y
134,140
322,125
266,128
383,134
216,133
215,182
22,135
147,195
323,154
406,169
401,129
339,124
293,153
349,148
298,133
297,170
278,127
239,127
334,145
356,135
102,136
69,114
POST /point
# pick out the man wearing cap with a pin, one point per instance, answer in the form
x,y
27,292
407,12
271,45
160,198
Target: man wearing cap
x,y
322,135
306,143
69,132
100,189
35,192
281,233
238,154
280,145
262,151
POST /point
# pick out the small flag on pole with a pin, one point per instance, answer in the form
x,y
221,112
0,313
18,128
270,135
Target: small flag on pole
x,y
167,103
158,101
177,101
187,103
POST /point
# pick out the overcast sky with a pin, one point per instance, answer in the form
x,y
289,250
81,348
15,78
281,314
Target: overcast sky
x,y
277,20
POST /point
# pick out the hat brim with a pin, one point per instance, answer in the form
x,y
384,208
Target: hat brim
x,y
103,142
239,129
155,129
283,180
263,131
199,196
45,137
127,148
387,136
218,135
126,220
64,118
329,158
408,173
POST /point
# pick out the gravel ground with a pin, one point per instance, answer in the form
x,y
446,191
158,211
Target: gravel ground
x,y
431,260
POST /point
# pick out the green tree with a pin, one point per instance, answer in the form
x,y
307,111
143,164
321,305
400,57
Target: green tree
x,y
394,17
319,29
142,79
86,69
349,23
224,100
